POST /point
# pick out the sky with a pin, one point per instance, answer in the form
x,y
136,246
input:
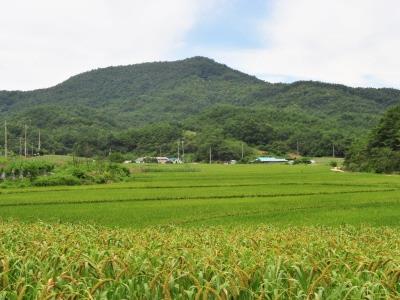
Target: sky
x,y
351,42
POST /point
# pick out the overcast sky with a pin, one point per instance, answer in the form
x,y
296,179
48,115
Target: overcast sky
x,y
353,42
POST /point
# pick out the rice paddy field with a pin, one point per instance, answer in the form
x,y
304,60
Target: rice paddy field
x,y
205,232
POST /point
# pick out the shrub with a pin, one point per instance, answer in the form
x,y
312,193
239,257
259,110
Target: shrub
x,y
78,172
302,160
333,163
118,170
56,180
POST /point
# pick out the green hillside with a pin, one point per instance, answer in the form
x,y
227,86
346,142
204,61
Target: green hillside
x,y
142,108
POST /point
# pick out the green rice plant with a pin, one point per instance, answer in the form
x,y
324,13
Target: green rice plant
x,y
229,195
52,261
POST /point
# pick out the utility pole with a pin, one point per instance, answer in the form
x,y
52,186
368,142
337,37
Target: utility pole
x,y
333,150
183,153
20,146
210,155
39,142
25,149
297,147
242,151
178,150
5,139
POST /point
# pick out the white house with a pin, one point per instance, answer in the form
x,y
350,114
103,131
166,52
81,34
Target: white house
x,y
270,160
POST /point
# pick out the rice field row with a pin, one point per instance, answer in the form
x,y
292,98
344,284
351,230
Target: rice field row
x,y
215,195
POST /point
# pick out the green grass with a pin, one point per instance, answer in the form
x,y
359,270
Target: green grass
x,y
226,195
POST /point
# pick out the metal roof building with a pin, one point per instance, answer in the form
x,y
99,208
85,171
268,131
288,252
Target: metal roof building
x,y
269,159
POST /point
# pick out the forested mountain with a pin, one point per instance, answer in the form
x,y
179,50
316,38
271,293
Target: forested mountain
x,y
146,108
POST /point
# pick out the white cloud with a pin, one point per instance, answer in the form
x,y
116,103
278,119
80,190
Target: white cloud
x,y
354,42
43,42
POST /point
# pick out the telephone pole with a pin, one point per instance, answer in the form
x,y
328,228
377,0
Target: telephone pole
x,y
20,146
242,151
5,139
25,148
178,150
210,155
183,153
39,142
297,147
333,150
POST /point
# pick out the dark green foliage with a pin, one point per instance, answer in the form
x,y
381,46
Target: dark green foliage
x,y
387,134
145,109
333,163
150,160
302,160
56,180
381,151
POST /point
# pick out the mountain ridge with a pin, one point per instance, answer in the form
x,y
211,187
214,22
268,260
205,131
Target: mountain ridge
x,y
121,98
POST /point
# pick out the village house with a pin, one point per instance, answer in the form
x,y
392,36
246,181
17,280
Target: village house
x,y
270,160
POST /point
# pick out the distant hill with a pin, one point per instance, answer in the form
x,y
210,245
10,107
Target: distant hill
x,y
107,108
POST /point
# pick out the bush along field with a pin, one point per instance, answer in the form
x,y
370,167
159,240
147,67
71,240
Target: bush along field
x,y
61,261
31,172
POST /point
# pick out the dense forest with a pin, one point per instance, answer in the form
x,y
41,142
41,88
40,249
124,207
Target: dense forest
x,y
145,109
380,151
